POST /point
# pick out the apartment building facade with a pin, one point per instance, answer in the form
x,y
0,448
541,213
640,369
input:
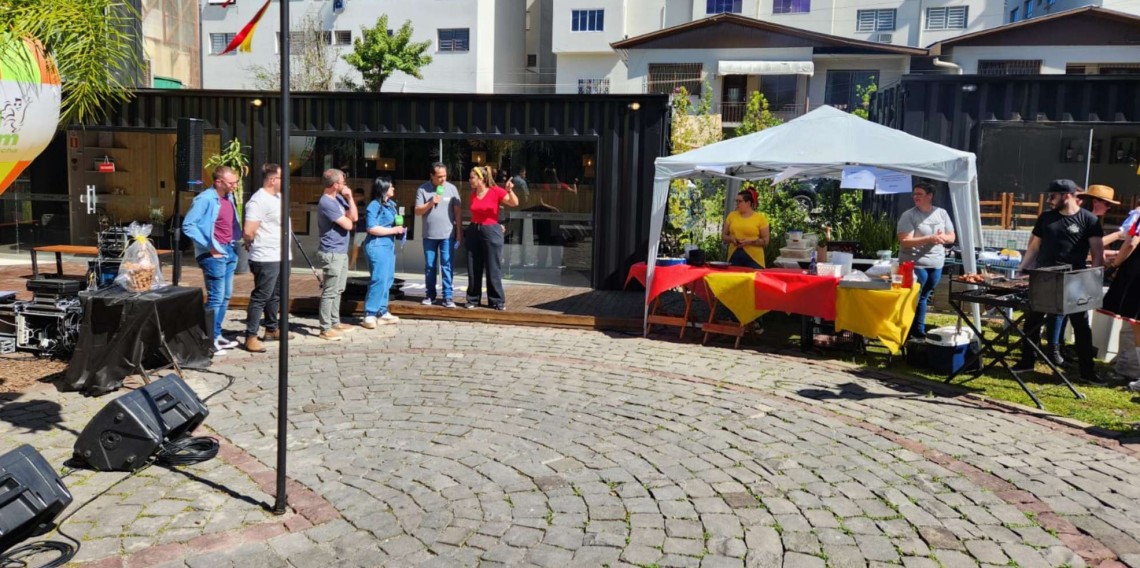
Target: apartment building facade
x,y
799,53
1020,10
477,46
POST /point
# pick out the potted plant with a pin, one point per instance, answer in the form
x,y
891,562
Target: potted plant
x,y
232,155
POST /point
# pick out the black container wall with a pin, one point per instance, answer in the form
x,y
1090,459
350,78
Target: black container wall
x,y
630,133
949,109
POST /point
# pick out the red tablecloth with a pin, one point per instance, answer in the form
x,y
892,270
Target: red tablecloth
x,y
666,278
792,291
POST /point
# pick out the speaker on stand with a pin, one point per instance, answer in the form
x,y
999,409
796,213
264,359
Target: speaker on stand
x,y
187,171
132,428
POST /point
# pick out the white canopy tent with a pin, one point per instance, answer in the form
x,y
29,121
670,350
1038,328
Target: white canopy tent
x,y
820,144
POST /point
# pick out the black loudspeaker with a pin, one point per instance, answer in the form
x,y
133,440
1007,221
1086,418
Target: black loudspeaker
x,y
126,432
31,496
188,152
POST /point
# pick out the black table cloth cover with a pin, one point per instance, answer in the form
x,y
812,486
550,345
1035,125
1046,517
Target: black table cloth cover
x,y
123,332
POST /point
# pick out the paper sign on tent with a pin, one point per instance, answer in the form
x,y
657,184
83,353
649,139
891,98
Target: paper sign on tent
x,y
878,179
887,181
858,177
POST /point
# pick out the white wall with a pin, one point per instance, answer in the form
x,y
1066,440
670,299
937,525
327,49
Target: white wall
x,y
565,40
1053,58
541,77
473,71
575,66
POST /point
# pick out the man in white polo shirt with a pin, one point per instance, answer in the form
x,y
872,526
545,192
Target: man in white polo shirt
x,y
262,233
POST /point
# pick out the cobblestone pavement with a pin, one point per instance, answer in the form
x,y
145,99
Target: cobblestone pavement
x,y
450,444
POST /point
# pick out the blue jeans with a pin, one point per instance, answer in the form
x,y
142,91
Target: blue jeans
x,y
1054,328
219,276
437,256
927,279
382,260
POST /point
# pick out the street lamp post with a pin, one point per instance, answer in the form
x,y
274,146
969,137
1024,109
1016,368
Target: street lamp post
x,y
282,498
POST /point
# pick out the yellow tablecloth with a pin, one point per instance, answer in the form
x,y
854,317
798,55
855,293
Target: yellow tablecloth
x,y
885,315
737,292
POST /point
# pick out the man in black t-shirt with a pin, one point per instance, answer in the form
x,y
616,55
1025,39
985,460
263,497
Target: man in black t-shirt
x,y
1063,235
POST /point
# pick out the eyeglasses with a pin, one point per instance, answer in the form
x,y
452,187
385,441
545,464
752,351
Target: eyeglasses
x,y
919,194
229,183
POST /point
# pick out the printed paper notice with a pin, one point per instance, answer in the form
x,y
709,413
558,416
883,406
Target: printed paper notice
x,y
858,177
887,182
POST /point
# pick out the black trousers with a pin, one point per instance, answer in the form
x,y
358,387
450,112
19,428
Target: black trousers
x,y
485,254
1081,333
265,300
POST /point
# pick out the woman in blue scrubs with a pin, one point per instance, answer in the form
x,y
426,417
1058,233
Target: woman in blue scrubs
x,y
380,246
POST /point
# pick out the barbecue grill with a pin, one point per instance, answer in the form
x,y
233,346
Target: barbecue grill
x,y
1011,294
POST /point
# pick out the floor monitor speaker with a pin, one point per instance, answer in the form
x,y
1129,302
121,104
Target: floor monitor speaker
x,y
31,496
132,428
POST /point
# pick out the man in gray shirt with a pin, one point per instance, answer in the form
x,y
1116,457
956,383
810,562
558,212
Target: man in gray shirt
x,y
438,202
336,214
922,232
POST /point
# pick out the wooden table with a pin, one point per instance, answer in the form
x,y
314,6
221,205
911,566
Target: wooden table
x,y
60,250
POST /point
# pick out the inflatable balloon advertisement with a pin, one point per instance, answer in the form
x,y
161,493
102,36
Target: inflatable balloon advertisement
x,y
29,106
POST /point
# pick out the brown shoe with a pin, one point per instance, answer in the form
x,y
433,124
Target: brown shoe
x,y
330,335
254,345
342,327
275,335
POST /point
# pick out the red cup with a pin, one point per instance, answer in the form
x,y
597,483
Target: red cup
x,y
907,271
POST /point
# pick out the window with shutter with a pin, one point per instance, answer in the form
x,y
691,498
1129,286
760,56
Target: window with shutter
x,y
218,43
664,78
875,20
454,40
343,37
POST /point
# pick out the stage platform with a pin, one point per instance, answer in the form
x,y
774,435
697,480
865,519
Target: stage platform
x,y
527,304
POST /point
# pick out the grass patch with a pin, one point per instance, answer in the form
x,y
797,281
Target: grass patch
x,y
1112,408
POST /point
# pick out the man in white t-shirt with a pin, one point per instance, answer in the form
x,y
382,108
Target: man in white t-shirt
x,y
262,233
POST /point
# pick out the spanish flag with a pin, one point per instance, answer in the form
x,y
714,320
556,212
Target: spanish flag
x,y
242,40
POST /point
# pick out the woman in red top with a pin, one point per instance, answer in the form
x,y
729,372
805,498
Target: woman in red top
x,y
484,237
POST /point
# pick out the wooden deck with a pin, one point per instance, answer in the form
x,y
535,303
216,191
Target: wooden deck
x,y
526,304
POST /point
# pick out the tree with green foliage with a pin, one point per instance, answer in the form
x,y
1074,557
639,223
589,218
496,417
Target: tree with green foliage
x,y
94,43
864,92
378,55
757,117
695,207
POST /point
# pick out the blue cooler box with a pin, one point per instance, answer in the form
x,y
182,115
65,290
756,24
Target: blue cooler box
x,y
949,348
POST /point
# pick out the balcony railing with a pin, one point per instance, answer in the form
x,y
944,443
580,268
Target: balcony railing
x,y
733,113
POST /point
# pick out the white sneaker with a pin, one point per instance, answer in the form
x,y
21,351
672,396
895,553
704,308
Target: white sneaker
x,y
221,343
1134,386
389,318
369,322
428,301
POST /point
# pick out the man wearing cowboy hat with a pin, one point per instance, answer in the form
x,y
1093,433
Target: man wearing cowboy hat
x,y
1063,235
1102,197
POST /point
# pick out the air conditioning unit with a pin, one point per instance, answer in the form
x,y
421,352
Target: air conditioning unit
x,y
882,38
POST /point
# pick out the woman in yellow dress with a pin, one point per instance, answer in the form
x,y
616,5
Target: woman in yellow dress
x,y
746,232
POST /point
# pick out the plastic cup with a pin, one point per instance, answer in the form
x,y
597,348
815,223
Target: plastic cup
x,y
399,220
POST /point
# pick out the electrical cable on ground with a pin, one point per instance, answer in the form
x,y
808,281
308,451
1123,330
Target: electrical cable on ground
x,y
187,451
15,558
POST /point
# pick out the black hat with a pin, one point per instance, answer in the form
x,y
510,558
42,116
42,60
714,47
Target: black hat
x,y
1064,186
